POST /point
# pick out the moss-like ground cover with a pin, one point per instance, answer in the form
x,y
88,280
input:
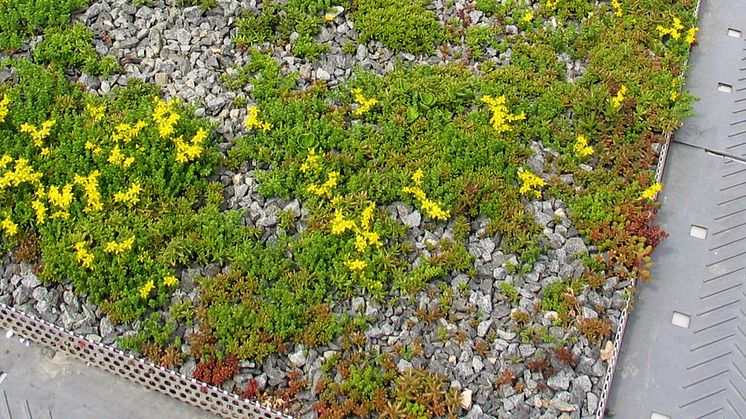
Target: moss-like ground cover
x,y
117,193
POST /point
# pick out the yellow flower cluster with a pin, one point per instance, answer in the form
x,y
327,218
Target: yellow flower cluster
x,y
118,248
691,35
117,158
364,234
21,173
253,122
530,183
674,30
170,280
93,148
9,226
146,288
61,198
127,132
428,206
581,147
186,152
340,224
95,112
652,191
90,187
528,17
501,119
617,7
356,265
4,102
165,117
39,134
365,103
325,189
617,100
312,162
131,196
41,211
83,256
551,4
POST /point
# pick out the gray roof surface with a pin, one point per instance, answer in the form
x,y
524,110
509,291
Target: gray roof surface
x,y
34,386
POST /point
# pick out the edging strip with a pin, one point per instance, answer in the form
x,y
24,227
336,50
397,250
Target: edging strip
x,y
153,377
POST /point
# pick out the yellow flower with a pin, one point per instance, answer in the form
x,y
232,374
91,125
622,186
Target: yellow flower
x,y
500,117
530,182
551,4
41,211
652,191
361,243
312,162
691,35
4,160
417,177
95,112
252,120
367,216
326,188
170,280
186,152
21,173
117,158
617,7
617,100
356,265
118,248
93,148
38,134
60,214
372,237
125,132
129,197
83,256
146,288
165,117
528,17
9,226
4,102
61,198
581,147
428,206
365,103
90,187
674,30
340,224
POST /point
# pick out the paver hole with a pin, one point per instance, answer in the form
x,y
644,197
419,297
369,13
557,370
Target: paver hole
x,y
656,415
698,232
734,33
725,88
681,320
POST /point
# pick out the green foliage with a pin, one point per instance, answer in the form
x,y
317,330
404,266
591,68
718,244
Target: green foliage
x,y
510,291
560,297
204,4
19,19
417,279
479,37
277,21
70,47
78,145
402,25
